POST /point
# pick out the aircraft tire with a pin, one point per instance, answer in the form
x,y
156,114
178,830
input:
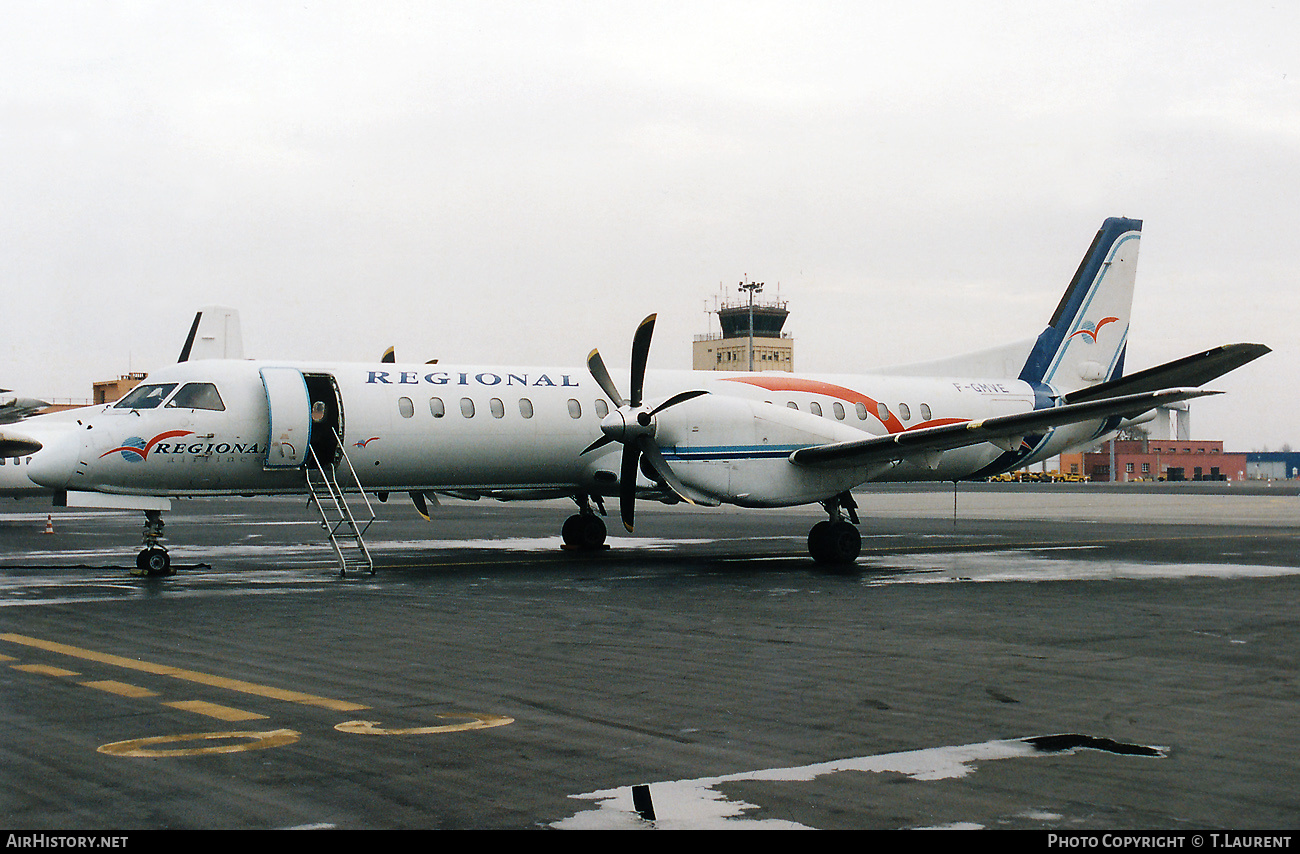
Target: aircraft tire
x,y
817,541
154,562
584,531
834,542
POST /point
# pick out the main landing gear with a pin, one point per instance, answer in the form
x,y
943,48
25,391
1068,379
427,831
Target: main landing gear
x,y
836,541
585,531
153,559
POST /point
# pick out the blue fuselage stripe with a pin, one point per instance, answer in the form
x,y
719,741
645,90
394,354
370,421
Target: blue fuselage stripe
x,y
730,452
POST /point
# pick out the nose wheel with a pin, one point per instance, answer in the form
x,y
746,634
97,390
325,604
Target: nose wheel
x,y
153,560
584,531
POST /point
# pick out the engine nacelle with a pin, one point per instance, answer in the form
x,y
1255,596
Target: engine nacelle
x,y
737,451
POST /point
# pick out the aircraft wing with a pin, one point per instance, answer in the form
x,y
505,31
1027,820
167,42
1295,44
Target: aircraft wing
x,y
17,445
1005,431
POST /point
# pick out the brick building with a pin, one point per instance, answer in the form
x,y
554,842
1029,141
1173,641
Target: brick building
x,y
1164,459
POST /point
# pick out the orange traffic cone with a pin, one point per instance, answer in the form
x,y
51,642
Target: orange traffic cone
x,y
49,523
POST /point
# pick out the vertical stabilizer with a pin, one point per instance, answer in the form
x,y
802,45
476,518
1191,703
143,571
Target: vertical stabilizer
x,y
1085,340
214,334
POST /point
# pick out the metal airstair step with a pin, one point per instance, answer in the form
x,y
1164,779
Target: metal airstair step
x,y
346,533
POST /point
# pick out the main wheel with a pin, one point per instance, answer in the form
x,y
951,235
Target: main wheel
x,y
154,561
817,541
834,542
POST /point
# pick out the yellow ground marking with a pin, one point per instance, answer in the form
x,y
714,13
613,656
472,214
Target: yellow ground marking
x,y
4,657
214,710
124,689
144,747
238,685
475,721
47,669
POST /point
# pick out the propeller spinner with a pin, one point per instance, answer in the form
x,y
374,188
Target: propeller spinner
x,y
633,424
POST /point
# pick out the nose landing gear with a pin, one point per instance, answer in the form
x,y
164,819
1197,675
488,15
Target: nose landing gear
x,y
153,559
584,531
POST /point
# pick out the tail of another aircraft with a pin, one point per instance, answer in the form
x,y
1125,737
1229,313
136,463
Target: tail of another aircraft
x,y
1085,340
214,335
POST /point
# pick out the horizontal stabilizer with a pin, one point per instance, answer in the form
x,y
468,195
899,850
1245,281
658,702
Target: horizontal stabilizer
x,y
912,443
1194,371
13,409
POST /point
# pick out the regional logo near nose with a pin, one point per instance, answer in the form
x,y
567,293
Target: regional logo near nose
x,y
136,450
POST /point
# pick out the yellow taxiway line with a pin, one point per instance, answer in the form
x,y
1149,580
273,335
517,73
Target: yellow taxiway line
x,y
212,680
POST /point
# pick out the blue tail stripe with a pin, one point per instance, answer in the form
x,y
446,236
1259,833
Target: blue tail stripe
x,y
1074,299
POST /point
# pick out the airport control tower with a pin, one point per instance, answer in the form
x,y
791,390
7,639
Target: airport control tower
x,y
751,338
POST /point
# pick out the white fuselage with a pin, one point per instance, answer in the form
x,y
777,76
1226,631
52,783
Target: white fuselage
x,y
520,432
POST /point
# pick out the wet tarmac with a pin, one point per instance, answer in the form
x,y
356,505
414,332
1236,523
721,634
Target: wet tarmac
x,y
1067,658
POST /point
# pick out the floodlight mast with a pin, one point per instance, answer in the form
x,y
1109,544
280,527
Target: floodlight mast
x,y
752,287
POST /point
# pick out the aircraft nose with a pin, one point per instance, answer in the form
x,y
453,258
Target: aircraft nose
x,y
58,460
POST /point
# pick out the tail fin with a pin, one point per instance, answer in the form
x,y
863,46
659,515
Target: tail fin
x,y
1085,341
214,335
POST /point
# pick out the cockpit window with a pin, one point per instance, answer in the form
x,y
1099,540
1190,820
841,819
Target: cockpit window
x,y
197,396
146,396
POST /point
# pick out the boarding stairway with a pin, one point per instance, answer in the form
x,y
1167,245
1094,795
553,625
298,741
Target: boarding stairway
x,y
346,532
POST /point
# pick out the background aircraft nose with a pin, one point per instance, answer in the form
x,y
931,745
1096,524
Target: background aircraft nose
x,y
56,462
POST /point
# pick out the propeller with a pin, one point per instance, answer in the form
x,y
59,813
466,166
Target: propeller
x,y
390,357
422,500
633,424
417,498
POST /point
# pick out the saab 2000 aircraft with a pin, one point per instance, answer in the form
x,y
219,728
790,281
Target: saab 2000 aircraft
x,y
236,427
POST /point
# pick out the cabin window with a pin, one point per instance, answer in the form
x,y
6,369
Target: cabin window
x,y
925,412
905,411
498,408
602,408
197,396
436,407
792,404
525,407
405,407
815,408
861,409
467,407
145,396
882,412
575,409
838,409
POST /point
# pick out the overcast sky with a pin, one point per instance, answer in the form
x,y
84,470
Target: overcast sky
x,y
520,182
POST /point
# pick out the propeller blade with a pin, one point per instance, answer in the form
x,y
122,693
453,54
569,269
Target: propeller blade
x,y
599,443
640,356
627,485
655,458
596,366
680,397
420,506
